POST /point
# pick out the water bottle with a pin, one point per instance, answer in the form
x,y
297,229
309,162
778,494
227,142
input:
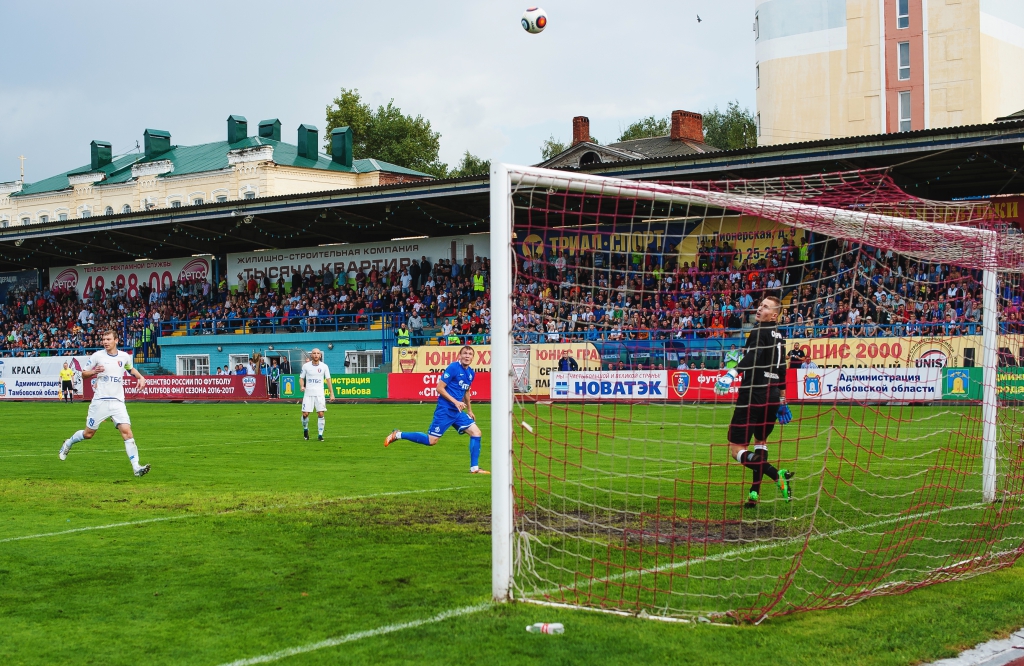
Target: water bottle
x,y
545,628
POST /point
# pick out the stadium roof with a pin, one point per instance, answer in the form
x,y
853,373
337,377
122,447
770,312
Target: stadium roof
x,y
944,164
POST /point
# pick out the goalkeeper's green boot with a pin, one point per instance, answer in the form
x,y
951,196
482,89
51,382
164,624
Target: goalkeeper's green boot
x,y
784,484
752,499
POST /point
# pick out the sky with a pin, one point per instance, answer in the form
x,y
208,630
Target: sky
x,y
75,71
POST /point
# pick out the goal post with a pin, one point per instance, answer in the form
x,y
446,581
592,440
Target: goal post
x,y
908,473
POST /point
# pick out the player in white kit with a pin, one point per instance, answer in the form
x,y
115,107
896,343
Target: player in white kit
x,y
108,367
311,380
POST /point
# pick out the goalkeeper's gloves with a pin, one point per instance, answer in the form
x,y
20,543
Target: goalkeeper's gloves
x,y
785,416
724,382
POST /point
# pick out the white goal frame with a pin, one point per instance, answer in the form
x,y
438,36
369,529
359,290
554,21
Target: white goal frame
x,y
841,223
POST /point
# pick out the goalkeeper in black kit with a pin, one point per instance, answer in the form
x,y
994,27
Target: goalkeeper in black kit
x,y
761,400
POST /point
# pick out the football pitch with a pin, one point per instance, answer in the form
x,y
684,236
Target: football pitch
x,y
246,544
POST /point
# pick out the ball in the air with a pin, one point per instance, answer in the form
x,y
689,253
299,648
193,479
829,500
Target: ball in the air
x,y
535,20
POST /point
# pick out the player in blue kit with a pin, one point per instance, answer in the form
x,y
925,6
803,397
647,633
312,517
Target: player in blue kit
x,y
453,410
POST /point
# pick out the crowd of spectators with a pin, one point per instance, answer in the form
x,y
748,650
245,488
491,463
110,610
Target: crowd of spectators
x,y
447,298
829,288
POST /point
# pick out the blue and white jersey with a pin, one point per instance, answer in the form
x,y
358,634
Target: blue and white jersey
x,y
457,381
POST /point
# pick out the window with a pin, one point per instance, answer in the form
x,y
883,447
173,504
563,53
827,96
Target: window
x,y
62,216
26,220
357,362
757,120
109,210
43,219
86,213
903,53
126,208
197,202
198,364
757,76
757,28
905,111
902,14
221,198
3,223
175,204
250,195
235,360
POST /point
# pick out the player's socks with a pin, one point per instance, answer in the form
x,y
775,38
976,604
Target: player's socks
x,y
305,423
474,452
133,453
77,437
320,426
418,437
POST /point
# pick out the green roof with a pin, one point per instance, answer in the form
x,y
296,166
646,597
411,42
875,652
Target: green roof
x,y
210,157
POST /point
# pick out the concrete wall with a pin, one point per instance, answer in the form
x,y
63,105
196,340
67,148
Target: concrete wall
x,y
171,347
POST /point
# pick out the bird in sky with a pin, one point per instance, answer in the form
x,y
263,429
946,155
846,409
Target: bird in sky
x,y
699,19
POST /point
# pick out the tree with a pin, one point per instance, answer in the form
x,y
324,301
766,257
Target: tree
x,y
732,129
471,165
551,147
646,128
385,133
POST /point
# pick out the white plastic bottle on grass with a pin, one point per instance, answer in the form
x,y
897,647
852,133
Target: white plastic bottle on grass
x,y
545,628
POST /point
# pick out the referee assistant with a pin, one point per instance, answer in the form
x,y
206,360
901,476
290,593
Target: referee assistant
x,y
761,399
67,386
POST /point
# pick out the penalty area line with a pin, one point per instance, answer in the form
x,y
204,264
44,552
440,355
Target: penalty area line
x,y
358,635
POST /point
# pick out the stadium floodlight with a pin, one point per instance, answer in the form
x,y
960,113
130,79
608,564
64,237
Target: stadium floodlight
x,y
614,488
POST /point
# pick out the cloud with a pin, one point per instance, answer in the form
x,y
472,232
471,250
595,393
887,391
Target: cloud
x,y
484,83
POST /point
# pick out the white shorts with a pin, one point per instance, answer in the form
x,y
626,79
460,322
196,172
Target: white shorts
x,y
101,410
314,403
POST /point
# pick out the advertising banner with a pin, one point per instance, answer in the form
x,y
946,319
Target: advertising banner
x,y
423,386
352,257
698,385
962,383
37,378
631,385
1011,383
533,364
870,384
370,386
907,352
16,281
193,387
157,273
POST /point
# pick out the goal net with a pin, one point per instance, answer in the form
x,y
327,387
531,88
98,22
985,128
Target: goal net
x,y
614,487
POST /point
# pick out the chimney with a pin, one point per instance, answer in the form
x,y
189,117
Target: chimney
x,y
156,142
238,128
580,129
101,154
687,126
307,142
341,145
270,129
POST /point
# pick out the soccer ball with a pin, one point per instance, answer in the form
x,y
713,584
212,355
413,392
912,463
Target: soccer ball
x,y
534,20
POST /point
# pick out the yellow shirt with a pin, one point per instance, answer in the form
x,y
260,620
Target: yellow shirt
x,y
67,374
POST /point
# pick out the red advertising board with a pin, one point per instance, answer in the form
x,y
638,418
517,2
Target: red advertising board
x,y
193,387
423,386
699,385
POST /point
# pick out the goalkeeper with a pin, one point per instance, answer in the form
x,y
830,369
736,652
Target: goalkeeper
x,y
761,399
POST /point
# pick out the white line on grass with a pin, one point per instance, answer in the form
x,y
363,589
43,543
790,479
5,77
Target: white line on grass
x,y
358,635
254,509
97,527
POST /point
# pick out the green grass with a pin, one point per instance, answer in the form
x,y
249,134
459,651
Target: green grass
x,y
259,541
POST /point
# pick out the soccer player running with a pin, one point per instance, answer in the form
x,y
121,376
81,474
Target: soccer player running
x,y
311,380
761,399
108,367
453,410
67,383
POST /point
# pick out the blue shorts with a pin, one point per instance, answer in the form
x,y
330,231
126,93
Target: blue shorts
x,y
444,419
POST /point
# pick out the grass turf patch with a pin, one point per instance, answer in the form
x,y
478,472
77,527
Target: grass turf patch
x,y
278,543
